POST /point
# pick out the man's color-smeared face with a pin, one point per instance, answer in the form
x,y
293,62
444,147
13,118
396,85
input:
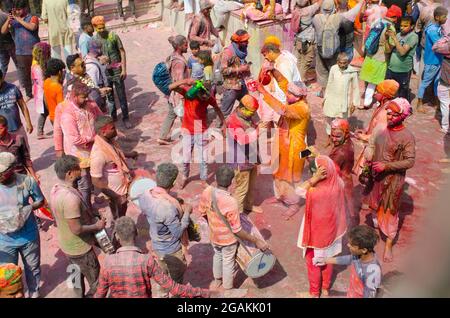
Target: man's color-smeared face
x,y
79,67
246,113
184,47
109,131
101,29
270,56
441,19
3,130
81,100
337,137
393,119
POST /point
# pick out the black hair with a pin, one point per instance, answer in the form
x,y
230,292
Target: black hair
x,y
3,121
194,45
205,55
65,164
125,228
54,66
270,47
21,4
241,32
70,60
408,19
440,11
166,174
101,122
363,236
1,74
224,176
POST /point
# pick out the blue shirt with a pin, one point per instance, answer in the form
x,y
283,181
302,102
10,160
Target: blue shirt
x,y
166,227
24,38
196,68
433,32
9,108
29,232
83,43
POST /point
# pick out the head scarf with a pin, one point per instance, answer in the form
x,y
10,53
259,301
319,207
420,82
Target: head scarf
x,y
7,160
297,88
341,124
240,38
205,4
388,88
325,215
401,106
394,12
98,20
250,103
328,7
10,279
272,39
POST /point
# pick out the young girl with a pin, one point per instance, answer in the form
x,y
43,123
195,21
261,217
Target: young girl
x,y
41,54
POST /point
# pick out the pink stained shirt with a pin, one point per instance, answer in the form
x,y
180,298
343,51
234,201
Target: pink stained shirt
x,y
57,130
77,126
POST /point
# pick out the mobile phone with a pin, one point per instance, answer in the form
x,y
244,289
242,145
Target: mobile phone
x,y
305,153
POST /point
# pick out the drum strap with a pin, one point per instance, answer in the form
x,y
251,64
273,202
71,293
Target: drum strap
x,y
216,209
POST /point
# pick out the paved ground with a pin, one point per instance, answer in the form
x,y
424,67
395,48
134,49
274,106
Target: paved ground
x,y
145,47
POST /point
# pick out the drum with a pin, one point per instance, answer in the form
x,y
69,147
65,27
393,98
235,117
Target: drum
x,y
104,242
252,261
138,187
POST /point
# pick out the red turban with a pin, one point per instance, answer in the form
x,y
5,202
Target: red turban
x,y
400,106
341,124
240,38
394,12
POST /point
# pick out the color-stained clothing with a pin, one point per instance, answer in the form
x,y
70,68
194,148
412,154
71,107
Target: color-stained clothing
x,y
396,149
365,278
178,71
67,204
77,125
166,226
403,64
111,47
201,30
9,108
24,38
128,274
83,43
340,87
108,163
293,125
18,147
229,64
53,93
433,32
242,135
13,197
37,76
219,233
58,137
57,13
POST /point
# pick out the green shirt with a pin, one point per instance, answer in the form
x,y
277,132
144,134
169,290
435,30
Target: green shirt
x,y
111,47
404,64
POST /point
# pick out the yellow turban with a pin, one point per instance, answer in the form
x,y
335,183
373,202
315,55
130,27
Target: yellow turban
x,y
272,39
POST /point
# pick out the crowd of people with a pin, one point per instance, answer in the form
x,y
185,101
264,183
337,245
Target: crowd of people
x,y
392,39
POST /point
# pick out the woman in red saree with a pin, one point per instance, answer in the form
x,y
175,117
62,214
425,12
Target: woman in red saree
x,y
324,223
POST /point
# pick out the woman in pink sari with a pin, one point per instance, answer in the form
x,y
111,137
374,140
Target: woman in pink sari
x,y
324,224
41,54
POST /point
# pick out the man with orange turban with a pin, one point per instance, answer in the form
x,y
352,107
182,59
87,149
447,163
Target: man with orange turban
x,y
294,115
391,153
234,68
242,152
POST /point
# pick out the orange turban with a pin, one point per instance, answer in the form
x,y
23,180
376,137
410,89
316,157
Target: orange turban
x,y
240,38
98,20
250,103
272,39
10,280
388,88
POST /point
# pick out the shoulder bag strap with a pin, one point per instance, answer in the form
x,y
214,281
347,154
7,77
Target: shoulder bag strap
x,y
215,208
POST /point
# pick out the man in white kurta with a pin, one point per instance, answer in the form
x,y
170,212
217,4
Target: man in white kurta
x,y
286,63
342,92
60,35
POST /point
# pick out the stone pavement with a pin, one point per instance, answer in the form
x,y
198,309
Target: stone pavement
x,y
145,47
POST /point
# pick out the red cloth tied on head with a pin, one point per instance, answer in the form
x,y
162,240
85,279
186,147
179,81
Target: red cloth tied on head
x,y
388,88
325,214
341,124
250,103
240,38
394,12
297,88
400,106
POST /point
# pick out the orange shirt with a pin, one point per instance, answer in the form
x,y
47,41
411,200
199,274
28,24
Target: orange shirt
x,y
53,94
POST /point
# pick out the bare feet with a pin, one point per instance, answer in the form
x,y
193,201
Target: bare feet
x,y
290,212
388,256
215,284
164,142
305,295
325,293
235,293
421,109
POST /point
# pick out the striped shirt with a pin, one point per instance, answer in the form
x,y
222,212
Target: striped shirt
x,y
220,234
127,274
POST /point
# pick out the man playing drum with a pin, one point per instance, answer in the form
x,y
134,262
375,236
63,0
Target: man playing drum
x,y
109,170
224,241
75,224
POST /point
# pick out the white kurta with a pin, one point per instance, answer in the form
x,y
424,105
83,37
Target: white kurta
x,y
57,13
342,87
